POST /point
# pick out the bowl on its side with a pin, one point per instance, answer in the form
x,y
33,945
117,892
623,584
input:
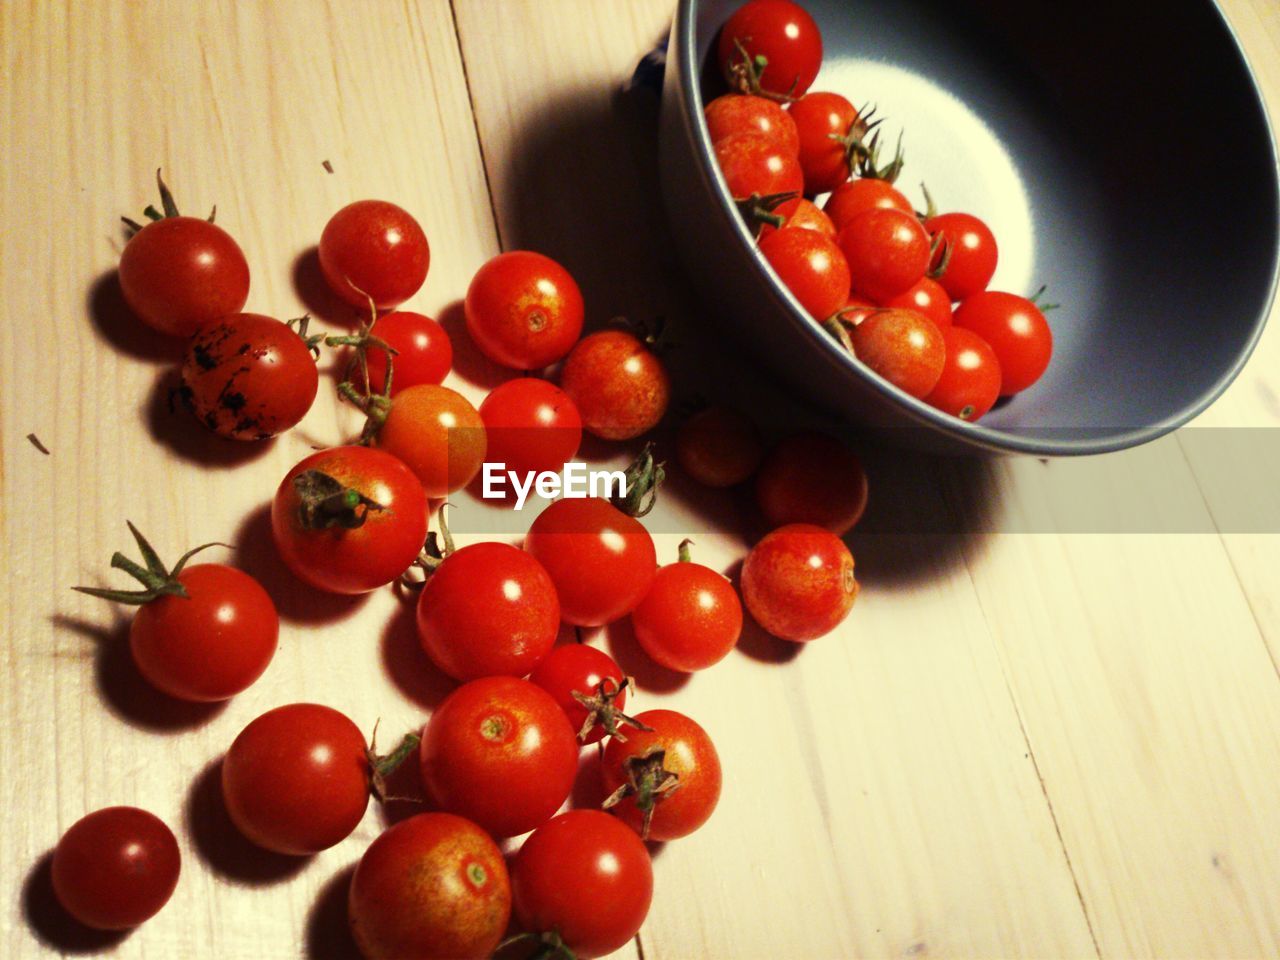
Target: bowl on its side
x,y
1122,158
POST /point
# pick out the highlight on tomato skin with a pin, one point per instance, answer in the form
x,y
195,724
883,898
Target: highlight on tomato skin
x,y
619,386
523,310
798,582
1017,332
374,250
691,617
778,34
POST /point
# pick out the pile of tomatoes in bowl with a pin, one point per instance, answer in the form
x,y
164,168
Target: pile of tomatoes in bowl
x,y
905,292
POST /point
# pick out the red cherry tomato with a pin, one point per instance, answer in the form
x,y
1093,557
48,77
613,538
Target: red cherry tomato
x,y
356,530
296,779
435,887
825,122
675,746
902,346
531,426
970,380
499,751
437,434
619,386
811,266
798,582
755,165
927,298
488,609
812,478
801,214
970,249
601,560
858,196
578,668
737,113
856,309
887,251
779,33
718,447
372,249
248,377
585,880
116,867
424,353
1017,332
690,618
523,310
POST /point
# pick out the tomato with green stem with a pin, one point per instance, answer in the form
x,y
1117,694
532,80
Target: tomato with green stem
x,y
620,387
770,46
970,381
691,617
800,214
423,352
798,582
718,447
811,266
734,113
372,250
830,134
1016,330
812,478
531,426
965,254
523,310
436,433
903,346
589,686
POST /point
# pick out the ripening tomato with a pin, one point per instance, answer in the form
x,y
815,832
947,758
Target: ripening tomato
x,y
499,751
827,124
970,380
800,214
735,113
969,247
296,780
374,250
523,310
424,353
812,478
690,618
812,268
887,251
620,387
116,867
601,560
755,166
433,887
585,881
927,298
902,346
248,377
531,425
589,686
1017,332
488,609
778,34
718,447
436,433
858,196
349,519
665,781
798,582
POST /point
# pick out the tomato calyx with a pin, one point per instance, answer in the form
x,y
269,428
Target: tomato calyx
x,y
382,766
1042,307
648,781
746,73
313,340
869,162
435,551
325,503
757,210
375,406
643,478
156,579
167,204
859,152
601,710
842,321
550,945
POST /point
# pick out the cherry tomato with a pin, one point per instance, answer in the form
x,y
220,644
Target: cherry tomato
x,y
349,519
856,309
1017,332
798,582
644,767
248,377
619,386
812,478
592,674
737,113
585,881
499,751
970,380
825,123
927,298
779,33
756,165
970,249
801,214
372,249
437,434
858,196
902,346
116,867
718,447
296,779
601,560
424,353
434,887
811,266
887,250
523,310
690,618
488,609
531,426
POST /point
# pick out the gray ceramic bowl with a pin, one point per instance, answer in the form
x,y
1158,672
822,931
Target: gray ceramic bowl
x,y
1121,157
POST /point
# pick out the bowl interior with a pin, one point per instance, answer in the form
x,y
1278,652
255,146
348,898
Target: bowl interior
x,y
1122,159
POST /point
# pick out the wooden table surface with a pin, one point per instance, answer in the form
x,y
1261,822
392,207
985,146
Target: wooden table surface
x,y
1040,744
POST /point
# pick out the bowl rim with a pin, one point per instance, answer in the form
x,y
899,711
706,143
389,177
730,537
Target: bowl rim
x,y
993,439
